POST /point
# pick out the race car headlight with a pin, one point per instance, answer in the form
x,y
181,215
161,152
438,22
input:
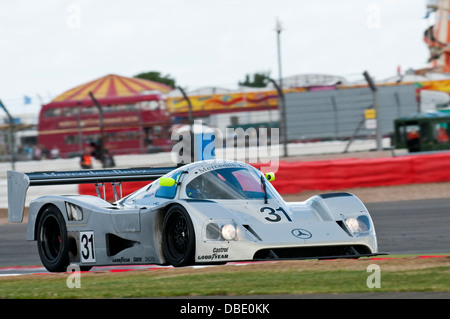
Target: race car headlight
x,y
74,212
228,232
223,229
358,225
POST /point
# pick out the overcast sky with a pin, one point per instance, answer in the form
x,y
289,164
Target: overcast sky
x,y
50,46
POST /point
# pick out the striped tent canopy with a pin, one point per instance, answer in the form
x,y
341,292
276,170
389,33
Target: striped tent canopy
x,y
111,88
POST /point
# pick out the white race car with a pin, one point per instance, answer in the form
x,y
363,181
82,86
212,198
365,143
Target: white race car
x,y
206,212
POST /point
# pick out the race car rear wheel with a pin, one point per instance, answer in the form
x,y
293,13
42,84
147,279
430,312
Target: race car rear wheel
x,y
178,240
52,240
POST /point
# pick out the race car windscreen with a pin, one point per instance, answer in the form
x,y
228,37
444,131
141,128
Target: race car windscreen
x,y
154,189
227,183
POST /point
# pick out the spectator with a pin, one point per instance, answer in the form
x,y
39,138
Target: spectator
x,y
37,153
86,159
108,159
55,152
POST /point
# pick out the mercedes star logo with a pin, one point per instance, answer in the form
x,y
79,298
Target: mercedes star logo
x,y
301,233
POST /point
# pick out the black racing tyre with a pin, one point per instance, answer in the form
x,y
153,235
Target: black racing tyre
x,y
178,237
52,240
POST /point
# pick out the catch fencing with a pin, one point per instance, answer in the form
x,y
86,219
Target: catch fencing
x,y
337,114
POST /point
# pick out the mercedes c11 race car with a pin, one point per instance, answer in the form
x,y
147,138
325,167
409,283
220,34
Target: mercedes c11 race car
x,y
207,212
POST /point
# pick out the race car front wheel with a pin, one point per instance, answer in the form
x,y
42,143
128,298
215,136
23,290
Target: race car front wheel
x,y
52,241
178,237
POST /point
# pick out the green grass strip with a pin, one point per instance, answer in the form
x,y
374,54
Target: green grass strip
x,y
136,284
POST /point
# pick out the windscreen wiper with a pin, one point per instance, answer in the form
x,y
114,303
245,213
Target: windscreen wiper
x,y
263,182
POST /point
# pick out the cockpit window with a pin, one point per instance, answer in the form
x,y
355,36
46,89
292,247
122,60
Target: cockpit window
x,y
226,183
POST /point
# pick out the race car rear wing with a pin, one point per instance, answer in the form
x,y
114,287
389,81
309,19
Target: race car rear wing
x,y
18,182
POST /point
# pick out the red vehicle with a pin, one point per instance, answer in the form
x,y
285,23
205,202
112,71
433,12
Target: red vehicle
x,y
134,124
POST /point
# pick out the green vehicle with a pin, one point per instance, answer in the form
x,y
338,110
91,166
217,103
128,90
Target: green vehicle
x,y
422,131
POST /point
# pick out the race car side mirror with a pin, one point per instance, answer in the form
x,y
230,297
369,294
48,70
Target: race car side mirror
x,y
166,181
270,176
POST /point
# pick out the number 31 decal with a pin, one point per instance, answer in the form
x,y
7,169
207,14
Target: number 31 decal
x,y
87,247
273,215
